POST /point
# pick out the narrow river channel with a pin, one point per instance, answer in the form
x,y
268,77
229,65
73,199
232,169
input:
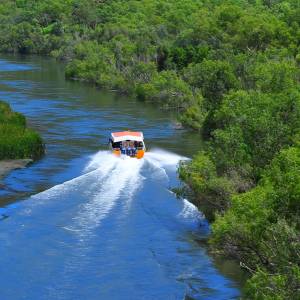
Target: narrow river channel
x,y
82,224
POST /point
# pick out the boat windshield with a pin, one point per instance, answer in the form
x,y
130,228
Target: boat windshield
x,y
127,144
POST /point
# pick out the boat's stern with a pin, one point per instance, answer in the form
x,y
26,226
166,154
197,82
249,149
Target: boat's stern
x,y
138,154
128,143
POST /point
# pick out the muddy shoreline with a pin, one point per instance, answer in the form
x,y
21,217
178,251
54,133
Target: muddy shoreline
x,y
6,166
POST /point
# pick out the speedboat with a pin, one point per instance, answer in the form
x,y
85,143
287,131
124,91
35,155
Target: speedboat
x,y
129,143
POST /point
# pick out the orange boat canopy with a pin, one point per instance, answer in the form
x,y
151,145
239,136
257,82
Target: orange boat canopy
x,y
127,135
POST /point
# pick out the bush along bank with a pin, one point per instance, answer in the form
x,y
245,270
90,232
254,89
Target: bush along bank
x,y
259,227
16,140
231,70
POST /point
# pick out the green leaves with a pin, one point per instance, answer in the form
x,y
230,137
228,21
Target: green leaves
x,y
211,190
194,116
231,71
17,141
282,277
284,174
214,78
261,228
169,90
275,76
254,126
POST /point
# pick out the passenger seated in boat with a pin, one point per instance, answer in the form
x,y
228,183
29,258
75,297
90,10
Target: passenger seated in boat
x,y
131,148
124,147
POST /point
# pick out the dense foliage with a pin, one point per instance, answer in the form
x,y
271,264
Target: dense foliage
x,y
261,228
231,70
16,140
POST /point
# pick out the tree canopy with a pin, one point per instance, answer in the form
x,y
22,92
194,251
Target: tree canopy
x,y
231,71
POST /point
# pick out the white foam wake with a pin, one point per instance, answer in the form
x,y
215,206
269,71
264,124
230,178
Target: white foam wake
x,y
101,160
121,176
94,172
190,211
160,161
106,180
161,158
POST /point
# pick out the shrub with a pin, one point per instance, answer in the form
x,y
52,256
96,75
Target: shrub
x,y
261,228
17,141
168,89
201,175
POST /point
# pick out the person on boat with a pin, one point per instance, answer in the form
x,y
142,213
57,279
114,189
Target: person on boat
x,y
131,149
124,147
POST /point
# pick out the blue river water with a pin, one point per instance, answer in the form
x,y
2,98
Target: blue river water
x,y
83,224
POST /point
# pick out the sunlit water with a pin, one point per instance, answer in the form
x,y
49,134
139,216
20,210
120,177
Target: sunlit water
x,y
95,226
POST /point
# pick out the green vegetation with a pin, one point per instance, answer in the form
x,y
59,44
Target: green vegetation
x,y
17,141
231,71
261,228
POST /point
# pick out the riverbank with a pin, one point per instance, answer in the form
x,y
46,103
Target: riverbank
x,y
17,141
6,166
230,71
19,145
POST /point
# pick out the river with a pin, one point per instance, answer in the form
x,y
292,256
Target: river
x,y
82,224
